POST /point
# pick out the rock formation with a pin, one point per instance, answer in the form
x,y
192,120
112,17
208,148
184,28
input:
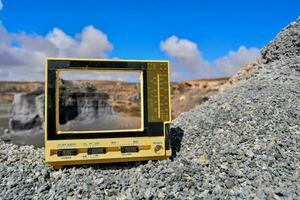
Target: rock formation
x,y
26,122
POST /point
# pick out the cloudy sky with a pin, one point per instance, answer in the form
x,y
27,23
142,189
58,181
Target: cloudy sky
x,y
201,39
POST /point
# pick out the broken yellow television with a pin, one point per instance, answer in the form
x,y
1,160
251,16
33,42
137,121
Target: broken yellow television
x,y
104,111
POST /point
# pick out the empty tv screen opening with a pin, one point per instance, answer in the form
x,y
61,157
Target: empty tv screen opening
x,y
99,101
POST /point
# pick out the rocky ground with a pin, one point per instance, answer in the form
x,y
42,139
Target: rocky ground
x,y
242,144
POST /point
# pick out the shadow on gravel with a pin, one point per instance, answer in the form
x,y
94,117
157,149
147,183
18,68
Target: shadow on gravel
x,y
176,138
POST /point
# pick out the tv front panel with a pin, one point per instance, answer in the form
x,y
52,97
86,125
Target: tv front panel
x,y
87,121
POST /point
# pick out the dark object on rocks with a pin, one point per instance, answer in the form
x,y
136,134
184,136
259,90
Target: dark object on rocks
x,y
176,138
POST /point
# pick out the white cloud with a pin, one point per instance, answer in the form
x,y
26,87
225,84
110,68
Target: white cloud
x,y
231,63
22,55
187,54
188,62
180,48
60,39
1,5
94,43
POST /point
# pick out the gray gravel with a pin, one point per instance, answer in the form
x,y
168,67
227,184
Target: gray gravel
x,y
286,44
242,144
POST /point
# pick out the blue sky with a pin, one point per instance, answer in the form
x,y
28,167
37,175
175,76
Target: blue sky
x,y
136,29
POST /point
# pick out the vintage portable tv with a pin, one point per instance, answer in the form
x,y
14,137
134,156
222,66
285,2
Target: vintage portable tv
x,y
102,111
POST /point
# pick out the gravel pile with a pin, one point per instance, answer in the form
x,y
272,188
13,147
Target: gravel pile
x,y
286,44
241,144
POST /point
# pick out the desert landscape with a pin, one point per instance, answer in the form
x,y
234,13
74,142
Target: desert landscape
x,y
125,98
241,142
234,73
